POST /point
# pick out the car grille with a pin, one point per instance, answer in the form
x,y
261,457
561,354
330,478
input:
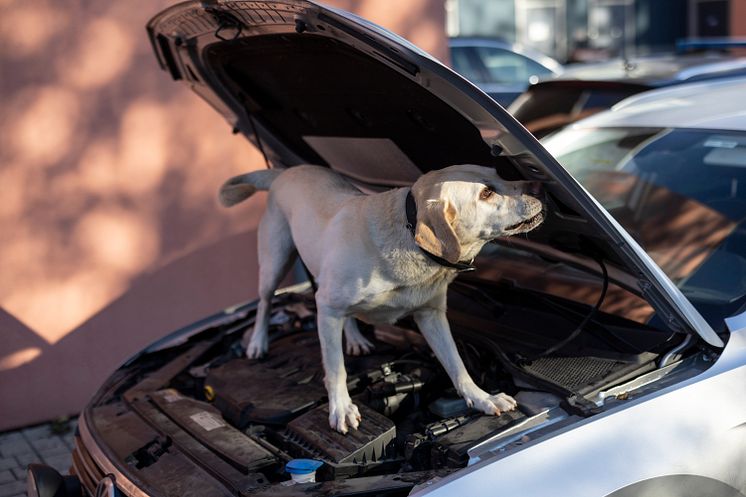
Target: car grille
x,y
85,468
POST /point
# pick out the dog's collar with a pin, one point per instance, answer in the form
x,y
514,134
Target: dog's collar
x,y
411,208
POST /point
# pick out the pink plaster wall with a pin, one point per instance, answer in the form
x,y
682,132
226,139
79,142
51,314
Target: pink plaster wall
x,y
738,18
738,24
110,236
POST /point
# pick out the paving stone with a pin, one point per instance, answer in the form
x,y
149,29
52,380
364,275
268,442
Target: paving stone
x,y
60,463
37,432
69,441
27,458
10,436
14,447
44,444
12,488
36,444
54,452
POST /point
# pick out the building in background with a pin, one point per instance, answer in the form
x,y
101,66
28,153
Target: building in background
x,y
571,30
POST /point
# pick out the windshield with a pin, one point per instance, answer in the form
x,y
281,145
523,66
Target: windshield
x,y
681,194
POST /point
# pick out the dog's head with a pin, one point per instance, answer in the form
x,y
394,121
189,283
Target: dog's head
x,y
460,208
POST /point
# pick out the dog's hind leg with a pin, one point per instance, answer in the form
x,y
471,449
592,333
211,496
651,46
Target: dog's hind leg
x,y
343,414
356,343
276,255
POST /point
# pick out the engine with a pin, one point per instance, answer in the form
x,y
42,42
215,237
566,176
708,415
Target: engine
x,y
413,419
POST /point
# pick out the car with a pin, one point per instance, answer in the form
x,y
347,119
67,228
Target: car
x,y
584,89
661,159
503,70
629,374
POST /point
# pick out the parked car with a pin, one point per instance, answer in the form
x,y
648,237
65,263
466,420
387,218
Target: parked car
x,y
503,70
584,89
625,385
668,165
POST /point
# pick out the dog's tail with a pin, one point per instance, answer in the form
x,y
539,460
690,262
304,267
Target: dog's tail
x,y
239,188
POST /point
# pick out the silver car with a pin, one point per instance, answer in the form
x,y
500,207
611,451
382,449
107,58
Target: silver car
x,y
627,363
670,166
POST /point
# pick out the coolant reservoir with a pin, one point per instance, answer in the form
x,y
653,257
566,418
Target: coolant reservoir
x,y
303,470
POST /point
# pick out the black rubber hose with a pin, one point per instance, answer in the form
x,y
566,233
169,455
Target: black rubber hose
x,y
585,321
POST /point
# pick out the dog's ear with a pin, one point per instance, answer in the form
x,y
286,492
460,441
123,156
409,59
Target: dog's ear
x,y
434,231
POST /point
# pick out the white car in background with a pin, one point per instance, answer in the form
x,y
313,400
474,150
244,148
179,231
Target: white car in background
x,y
628,364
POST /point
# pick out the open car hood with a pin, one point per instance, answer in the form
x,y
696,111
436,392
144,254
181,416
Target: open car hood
x,y
311,84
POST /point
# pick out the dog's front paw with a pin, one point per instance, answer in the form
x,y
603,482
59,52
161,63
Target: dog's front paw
x,y
492,404
343,414
358,345
257,348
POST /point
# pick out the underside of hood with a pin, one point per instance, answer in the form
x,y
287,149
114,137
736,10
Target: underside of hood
x,y
309,84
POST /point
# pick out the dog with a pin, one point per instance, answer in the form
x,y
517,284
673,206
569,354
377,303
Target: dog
x,y
380,257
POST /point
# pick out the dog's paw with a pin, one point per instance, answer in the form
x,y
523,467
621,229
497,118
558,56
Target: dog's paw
x,y
257,348
358,345
343,415
492,404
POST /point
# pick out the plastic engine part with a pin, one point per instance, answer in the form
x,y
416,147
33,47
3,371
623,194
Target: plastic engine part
x,y
448,407
271,391
353,454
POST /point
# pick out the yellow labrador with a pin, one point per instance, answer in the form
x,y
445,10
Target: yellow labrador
x,y
381,257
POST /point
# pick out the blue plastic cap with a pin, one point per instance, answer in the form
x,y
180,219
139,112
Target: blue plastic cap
x,y
302,466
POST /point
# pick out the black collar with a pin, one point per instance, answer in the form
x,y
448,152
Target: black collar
x,y
411,208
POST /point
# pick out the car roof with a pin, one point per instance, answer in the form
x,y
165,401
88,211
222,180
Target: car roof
x,y
707,105
654,71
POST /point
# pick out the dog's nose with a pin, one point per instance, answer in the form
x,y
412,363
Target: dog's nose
x,y
534,188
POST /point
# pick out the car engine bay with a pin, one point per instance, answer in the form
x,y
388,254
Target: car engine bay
x,y
256,415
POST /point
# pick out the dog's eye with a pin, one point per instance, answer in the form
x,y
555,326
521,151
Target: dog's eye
x,y
485,194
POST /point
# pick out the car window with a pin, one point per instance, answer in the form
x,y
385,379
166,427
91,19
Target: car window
x,y
681,193
504,66
465,63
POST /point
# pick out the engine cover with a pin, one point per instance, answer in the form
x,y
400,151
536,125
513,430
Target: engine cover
x,y
272,391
